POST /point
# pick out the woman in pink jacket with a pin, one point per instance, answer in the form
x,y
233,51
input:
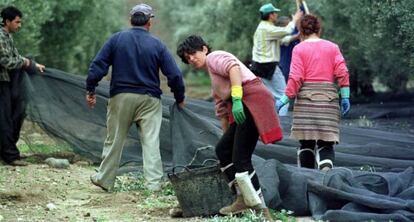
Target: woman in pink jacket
x,y
244,106
317,64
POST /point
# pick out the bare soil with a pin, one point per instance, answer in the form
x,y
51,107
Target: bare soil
x,y
40,193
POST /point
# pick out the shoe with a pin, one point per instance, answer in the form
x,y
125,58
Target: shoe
x,y
18,163
325,165
94,182
326,169
24,156
306,158
176,212
237,207
154,187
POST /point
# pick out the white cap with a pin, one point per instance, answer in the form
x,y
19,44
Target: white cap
x,y
143,8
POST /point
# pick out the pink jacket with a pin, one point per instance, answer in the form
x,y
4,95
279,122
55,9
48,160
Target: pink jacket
x,y
256,97
316,61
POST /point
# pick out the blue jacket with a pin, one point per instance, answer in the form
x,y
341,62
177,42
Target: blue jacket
x,y
286,56
286,52
136,57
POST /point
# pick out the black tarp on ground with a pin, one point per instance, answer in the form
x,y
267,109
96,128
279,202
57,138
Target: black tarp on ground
x,y
57,104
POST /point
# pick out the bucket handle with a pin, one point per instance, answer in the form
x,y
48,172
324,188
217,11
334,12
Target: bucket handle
x,y
210,160
172,174
188,169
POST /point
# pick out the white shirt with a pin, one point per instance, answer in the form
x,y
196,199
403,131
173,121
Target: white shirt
x,y
266,41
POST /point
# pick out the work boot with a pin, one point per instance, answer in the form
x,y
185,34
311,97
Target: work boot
x,y
326,168
306,158
238,206
325,156
18,163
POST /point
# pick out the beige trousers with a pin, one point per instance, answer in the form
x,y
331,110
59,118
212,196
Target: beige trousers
x,y
124,109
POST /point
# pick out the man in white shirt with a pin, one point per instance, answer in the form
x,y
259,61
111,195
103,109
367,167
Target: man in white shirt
x,y
266,51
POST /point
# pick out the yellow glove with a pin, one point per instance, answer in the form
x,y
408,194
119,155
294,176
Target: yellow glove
x,y
237,106
237,91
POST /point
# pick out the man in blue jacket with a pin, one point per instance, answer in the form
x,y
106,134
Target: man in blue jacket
x,y
136,57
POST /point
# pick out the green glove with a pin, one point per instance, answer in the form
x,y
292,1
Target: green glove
x,y
237,110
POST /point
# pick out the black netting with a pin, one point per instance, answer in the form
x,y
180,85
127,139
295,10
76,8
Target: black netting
x,y
57,104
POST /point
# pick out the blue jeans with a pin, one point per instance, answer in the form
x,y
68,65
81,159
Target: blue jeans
x,y
277,86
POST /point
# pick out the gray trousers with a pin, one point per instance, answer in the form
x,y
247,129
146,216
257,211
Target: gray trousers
x,y
124,109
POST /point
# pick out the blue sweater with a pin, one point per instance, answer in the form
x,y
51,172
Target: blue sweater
x,y
286,56
136,57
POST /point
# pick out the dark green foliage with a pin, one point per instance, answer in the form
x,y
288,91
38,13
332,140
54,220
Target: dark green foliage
x,y
375,36
395,35
67,34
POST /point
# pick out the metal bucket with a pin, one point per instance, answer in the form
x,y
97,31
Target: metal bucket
x,y
201,190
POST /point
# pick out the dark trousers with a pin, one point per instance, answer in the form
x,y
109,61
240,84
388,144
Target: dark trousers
x,y
325,149
236,147
12,114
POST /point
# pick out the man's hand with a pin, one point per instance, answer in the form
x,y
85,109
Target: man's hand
x,y
32,67
91,100
297,16
40,67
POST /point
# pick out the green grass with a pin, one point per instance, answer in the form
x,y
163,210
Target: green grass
x,y
367,168
165,198
33,151
363,121
136,183
158,201
250,216
41,148
129,182
246,217
100,219
283,215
